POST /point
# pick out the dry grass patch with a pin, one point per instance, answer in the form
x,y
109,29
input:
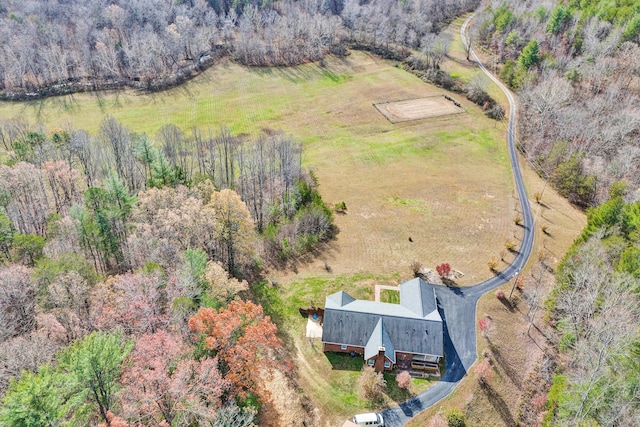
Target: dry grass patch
x,y
416,109
452,171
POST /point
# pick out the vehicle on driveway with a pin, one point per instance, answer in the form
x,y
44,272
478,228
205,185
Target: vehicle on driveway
x,y
369,419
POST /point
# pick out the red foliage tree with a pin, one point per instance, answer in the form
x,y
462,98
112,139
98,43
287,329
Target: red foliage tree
x,y
444,270
484,372
134,302
114,421
244,340
163,384
486,326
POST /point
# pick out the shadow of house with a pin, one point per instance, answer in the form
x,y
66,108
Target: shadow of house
x,y
407,336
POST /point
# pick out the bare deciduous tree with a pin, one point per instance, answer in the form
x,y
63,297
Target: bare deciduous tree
x,y
17,302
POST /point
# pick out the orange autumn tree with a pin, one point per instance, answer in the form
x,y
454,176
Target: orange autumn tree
x,y
243,339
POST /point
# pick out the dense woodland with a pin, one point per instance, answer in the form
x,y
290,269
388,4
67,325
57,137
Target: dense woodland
x,y
124,256
575,66
58,46
595,307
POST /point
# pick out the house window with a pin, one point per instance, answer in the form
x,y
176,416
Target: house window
x,y
387,364
343,347
370,362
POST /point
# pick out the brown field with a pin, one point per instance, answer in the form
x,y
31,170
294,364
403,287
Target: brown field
x,y
416,109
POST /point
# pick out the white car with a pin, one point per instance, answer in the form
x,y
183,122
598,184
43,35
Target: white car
x,y
369,419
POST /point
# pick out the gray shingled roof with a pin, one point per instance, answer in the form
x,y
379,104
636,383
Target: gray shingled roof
x,y
418,297
380,338
413,326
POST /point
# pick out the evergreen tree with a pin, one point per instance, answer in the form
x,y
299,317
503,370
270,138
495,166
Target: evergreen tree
x,y
529,56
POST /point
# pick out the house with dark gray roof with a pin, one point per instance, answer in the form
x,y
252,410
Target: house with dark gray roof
x,y
408,335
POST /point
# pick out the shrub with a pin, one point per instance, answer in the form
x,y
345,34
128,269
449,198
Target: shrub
x,y
486,325
500,295
517,220
403,379
478,96
455,418
444,270
492,264
371,384
537,196
510,245
416,266
558,386
495,112
484,372
340,207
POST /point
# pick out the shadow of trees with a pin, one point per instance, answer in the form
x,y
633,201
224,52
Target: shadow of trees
x,y
504,364
498,404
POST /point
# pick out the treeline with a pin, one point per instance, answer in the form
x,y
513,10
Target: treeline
x,y
110,187
575,66
124,258
66,46
595,307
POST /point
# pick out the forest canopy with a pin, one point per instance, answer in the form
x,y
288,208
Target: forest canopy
x,y
575,66
66,46
119,250
595,306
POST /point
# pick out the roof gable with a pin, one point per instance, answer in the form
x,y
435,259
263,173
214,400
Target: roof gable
x,y
411,335
417,296
378,340
339,299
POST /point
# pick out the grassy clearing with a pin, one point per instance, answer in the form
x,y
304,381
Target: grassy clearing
x,y
387,295
443,182
439,181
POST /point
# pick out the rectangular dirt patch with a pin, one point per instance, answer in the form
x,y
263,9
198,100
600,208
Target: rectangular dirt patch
x,y
420,108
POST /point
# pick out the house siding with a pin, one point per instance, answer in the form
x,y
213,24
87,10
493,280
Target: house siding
x,y
338,348
403,356
378,363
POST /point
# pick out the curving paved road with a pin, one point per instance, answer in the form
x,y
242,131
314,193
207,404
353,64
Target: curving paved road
x,y
457,306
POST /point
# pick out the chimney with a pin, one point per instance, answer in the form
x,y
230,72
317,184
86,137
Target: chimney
x,y
380,359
